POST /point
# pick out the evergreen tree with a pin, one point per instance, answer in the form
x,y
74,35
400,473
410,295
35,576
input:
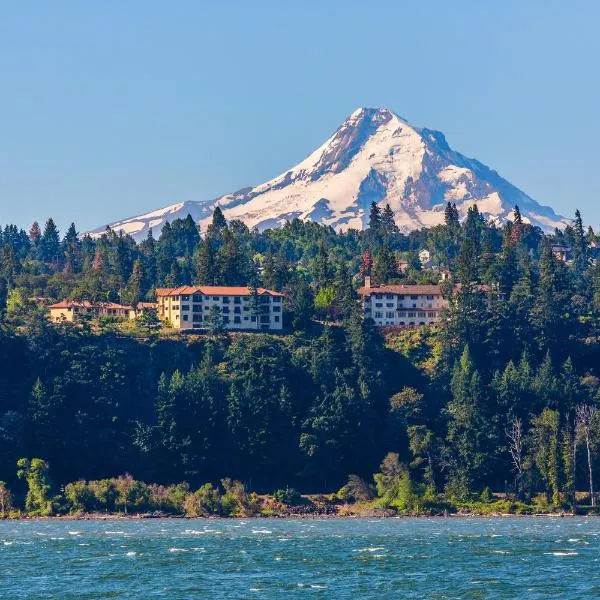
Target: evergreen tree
x,y
50,243
375,219
205,263
386,267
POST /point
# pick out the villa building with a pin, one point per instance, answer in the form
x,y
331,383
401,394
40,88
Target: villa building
x,y
189,307
71,310
402,305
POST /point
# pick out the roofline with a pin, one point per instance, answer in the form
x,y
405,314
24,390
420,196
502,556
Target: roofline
x,y
213,290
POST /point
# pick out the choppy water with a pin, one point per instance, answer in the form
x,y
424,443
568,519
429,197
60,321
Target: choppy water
x,y
390,558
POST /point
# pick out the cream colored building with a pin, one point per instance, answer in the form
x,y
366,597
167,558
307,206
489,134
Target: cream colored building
x,y
71,310
189,307
402,305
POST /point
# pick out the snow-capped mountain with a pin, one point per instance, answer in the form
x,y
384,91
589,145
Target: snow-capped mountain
x,y
374,156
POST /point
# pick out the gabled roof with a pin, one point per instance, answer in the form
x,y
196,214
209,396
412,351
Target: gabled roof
x,y
213,290
88,304
415,290
145,305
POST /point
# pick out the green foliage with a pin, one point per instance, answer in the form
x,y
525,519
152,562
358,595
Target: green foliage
x,y
36,474
519,341
288,496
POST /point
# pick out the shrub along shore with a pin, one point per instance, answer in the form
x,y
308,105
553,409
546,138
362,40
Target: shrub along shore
x,y
392,494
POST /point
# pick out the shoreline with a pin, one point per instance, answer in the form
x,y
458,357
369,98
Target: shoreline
x,y
314,517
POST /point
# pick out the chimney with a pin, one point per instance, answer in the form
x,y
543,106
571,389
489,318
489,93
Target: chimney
x,y
368,282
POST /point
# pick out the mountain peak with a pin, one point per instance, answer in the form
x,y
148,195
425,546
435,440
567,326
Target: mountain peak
x,y
374,156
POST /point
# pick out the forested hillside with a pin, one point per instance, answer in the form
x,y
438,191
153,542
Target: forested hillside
x,y
502,394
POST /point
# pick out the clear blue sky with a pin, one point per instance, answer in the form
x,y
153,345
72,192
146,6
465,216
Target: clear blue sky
x,y
111,108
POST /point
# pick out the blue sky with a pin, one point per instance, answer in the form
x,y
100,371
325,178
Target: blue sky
x,y
112,108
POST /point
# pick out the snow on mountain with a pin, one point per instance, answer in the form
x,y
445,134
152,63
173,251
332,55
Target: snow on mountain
x,y
375,156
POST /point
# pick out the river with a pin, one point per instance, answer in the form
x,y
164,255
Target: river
x,y
287,558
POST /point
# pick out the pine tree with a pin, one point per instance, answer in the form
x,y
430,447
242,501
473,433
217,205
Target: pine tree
x,y
386,267
72,250
580,248
205,263
375,219
134,291
218,226
35,236
388,225
50,243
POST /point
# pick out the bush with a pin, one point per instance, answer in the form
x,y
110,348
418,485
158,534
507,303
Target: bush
x,y
288,496
204,502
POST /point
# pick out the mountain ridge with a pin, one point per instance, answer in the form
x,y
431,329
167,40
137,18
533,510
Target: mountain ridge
x,y
374,156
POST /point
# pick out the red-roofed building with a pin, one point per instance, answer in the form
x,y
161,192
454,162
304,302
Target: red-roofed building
x,y
402,305
70,310
190,307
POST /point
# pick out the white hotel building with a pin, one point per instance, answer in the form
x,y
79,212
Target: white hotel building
x,y
402,305
189,307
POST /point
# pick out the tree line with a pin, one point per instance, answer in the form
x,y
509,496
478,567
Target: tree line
x,y
501,395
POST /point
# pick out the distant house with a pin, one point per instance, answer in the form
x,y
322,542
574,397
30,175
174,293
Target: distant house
x,y
402,266
425,258
561,252
71,310
191,307
141,308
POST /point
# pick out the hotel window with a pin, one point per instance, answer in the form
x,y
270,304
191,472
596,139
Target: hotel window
x,y
401,314
378,315
276,298
185,307
215,298
225,310
225,299
389,315
277,309
414,297
389,305
237,300
401,297
237,310
412,314
196,308
197,318
185,297
237,320
379,296
390,296
276,319
225,320
422,314
429,297
197,298
378,304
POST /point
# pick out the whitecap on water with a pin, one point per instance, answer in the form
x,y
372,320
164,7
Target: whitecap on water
x,y
74,532
373,549
178,550
130,553
562,553
262,531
